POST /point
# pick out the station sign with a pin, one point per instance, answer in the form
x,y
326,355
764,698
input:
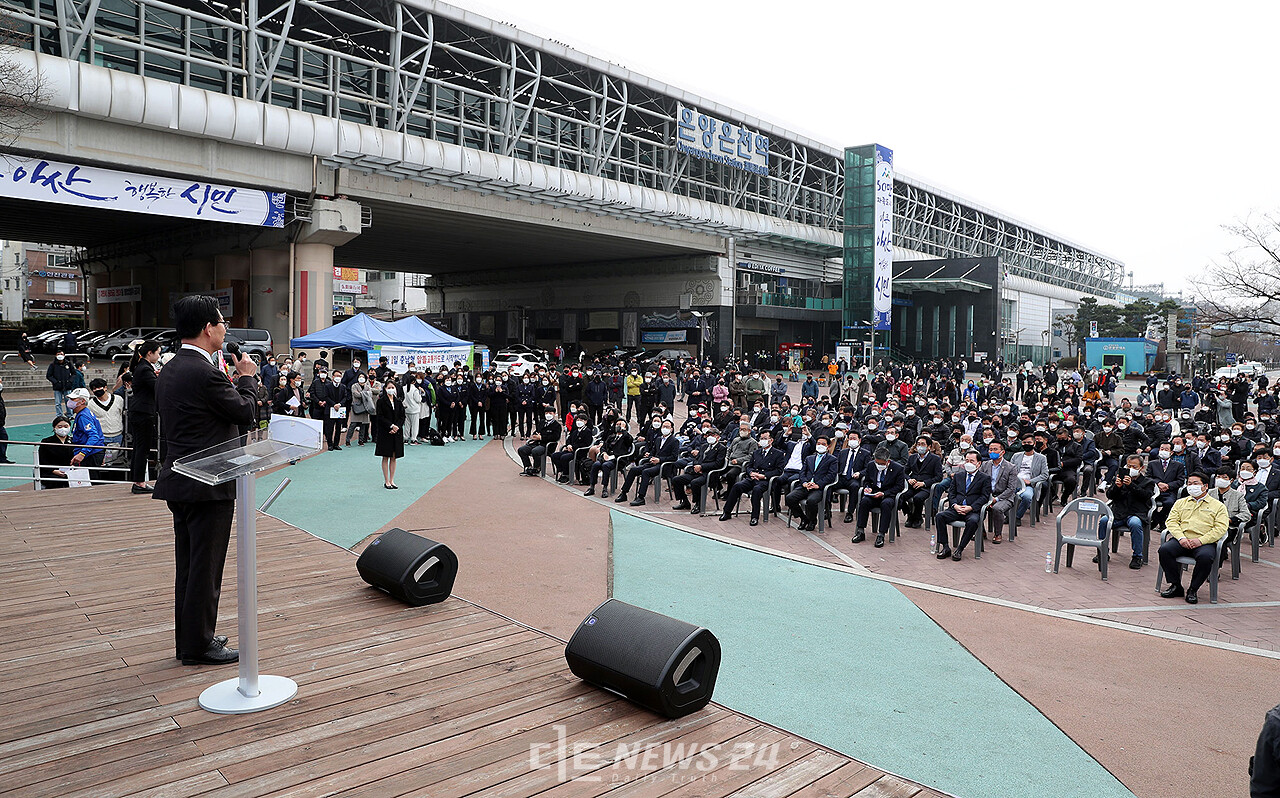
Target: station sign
x,y
703,136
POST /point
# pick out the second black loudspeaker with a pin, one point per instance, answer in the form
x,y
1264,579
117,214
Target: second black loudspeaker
x,y
663,664
414,569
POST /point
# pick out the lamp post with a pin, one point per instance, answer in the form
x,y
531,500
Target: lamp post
x,y
702,332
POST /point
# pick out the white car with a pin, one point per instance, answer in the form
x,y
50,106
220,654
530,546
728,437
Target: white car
x,y
520,363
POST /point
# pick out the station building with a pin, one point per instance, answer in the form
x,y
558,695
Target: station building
x,y
534,192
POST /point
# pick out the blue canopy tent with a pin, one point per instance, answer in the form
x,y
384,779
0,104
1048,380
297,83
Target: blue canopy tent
x,y
407,343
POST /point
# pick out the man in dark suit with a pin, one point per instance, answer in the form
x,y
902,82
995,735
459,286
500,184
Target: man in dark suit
x,y
970,491
766,462
709,457
820,470
199,408
665,449
1169,476
880,489
854,460
924,470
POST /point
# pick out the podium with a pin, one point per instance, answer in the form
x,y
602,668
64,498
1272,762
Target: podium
x,y
287,440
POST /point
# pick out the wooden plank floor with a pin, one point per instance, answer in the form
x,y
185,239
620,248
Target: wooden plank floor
x,y
449,700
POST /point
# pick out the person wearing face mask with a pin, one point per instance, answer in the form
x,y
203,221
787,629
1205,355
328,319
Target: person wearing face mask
x,y
708,458
524,403
1005,487
1032,467
86,432
617,443
361,398
634,382
765,462
1238,512
389,423
109,410
880,488
897,448
820,470
55,454
411,399
1195,524
924,470
477,392
352,374
1130,497
969,492
662,450
542,441
1089,456
568,461
61,377
1203,456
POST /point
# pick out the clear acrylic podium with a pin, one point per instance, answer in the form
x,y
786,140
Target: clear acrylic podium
x,y
286,441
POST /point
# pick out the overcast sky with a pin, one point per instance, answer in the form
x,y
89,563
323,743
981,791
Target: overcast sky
x,y
1136,129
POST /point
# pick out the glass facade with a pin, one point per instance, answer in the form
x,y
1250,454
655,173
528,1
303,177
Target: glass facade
x,y
859,238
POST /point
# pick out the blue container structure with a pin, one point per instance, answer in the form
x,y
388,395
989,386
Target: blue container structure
x,y
1133,355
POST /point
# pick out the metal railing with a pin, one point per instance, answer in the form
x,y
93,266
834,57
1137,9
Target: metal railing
x,y
13,471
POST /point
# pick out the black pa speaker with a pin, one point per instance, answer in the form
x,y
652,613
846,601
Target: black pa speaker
x,y
665,665
411,568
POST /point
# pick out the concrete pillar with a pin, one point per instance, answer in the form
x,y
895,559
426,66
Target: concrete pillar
x,y
333,223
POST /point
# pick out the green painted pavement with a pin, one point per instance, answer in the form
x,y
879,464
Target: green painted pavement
x,y
851,663
338,496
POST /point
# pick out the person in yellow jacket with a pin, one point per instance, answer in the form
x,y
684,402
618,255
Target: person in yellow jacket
x,y
1195,524
634,381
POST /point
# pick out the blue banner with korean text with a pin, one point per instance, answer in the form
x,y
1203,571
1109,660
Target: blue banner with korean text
x,y
44,180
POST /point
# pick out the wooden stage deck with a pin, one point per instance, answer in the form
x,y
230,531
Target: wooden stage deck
x,y
449,700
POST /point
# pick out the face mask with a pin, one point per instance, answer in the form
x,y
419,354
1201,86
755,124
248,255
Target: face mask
x,y
62,432
526,382
1194,491
854,442
1107,429
964,446
765,443
1264,462
1235,433
821,448
1202,444
774,419
987,439
621,428
970,467
391,391
1221,483
937,419
1177,447
99,392
1078,436
1041,428
993,455
1133,472
1245,476
550,417
911,411
872,427
1276,450
711,440
1250,426
742,433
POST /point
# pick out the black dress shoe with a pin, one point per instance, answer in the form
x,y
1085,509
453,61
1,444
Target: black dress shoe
x,y
754,521
218,640
1135,563
590,492
620,498
695,510
848,518
213,655
859,536
142,489
637,502
956,555
880,540
1192,598
1172,591
680,506
725,516
944,554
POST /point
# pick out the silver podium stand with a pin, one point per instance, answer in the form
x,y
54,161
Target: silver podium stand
x,y
286,441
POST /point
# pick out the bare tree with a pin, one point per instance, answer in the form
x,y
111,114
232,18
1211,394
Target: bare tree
x,y
1242,291
21,90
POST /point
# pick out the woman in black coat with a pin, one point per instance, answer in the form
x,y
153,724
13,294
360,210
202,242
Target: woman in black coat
x,y
390,444
142,413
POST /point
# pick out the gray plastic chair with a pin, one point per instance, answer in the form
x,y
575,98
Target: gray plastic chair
x,y
1186,562
1088,532
957,529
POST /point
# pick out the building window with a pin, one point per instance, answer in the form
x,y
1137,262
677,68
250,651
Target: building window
x,y
57,260
63,287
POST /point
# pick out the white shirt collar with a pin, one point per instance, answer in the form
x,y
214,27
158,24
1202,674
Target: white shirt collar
x,y
208,356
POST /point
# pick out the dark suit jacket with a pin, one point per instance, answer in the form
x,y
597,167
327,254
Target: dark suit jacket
x,y
666,451
891,483
978,494
143,400
823,473
199,407
1169,472
927,469
769,462
861,461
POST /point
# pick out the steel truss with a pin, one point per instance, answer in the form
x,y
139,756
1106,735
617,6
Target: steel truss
x,y
426,70
937,225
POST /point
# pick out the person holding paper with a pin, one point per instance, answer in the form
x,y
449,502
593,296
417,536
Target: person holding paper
x,y
199,408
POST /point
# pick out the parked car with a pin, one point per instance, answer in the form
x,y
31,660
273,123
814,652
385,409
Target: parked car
x,y
542,355
253,340
519,362
113,345
47,342
654,355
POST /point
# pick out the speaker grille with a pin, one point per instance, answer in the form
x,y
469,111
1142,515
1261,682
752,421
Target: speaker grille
x,y
644,640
